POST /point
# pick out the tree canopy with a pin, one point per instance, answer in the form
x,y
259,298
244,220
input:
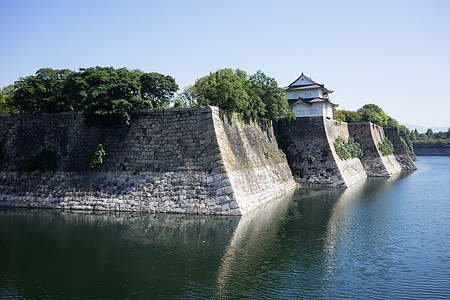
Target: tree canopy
x,y
6,95
235,91
104,94
368,113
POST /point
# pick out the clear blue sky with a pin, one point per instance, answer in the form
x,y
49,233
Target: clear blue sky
x,y
392,53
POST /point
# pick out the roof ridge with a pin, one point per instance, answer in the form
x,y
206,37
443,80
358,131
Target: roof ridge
x,y
308,78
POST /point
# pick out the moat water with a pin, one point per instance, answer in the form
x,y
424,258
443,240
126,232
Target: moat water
x,y
384,239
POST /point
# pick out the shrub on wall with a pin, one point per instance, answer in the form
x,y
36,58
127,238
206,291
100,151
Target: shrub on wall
x,y
311,159
386,147
405,145
44,160
97,156
347,149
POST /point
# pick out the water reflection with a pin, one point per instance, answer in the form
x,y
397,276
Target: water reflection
x,y
375,239
119,255
254,242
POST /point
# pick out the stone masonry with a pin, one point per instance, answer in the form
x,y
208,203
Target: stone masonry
x,y
369,136
314,137
404,158
166,160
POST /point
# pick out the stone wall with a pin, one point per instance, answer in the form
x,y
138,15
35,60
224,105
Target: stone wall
x,y
352,169
164,161
314,136
256,167
369,136
404,158
431,150
306,137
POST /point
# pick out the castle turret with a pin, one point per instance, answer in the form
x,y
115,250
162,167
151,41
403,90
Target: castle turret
x,y
308,98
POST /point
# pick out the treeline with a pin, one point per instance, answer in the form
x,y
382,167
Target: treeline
x,y
368,113
106,95
235,91
430,138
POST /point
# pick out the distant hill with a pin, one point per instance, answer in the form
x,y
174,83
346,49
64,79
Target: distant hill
x,y
423,129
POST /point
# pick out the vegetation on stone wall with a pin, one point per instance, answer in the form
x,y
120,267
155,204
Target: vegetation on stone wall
x,y
347,149
268,153
386,147
97,156
44,160
405,145
250,96
311,159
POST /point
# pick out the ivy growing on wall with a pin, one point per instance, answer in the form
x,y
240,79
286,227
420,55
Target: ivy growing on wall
x,y
386,147
43,161
405,145
97,156
311,159
347,149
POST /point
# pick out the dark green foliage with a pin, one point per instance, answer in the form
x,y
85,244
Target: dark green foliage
x,y
311,159
6,98
347,149
410,144
236,92
42,92
405,145
157,89
97,156
44,160
347,116
438,143
439,139
373,113
386,147
104,94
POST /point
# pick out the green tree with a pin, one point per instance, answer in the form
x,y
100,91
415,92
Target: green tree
x,y
105,94
6,98
391,122
448,133
157,89
429,133
373,113
224,89
250,96
347,116
267,99
42,92
403,129
186,98
413,135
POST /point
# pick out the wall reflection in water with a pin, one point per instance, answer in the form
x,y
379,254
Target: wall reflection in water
x,y
120,255
316,242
